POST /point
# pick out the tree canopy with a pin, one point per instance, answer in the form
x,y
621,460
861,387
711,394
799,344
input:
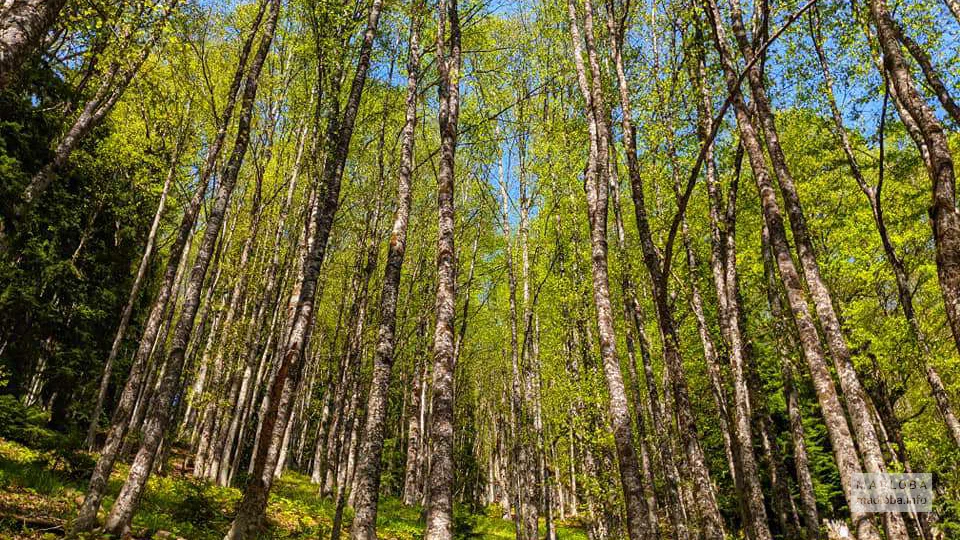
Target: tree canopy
x,y
623,269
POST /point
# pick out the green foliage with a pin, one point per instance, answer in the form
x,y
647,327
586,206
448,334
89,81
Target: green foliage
x,y
26,425
64,274
196,507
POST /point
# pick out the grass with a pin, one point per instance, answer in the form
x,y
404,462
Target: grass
x,y
39,496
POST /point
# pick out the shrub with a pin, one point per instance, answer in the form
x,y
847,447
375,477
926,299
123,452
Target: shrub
x,y
25,424
196,507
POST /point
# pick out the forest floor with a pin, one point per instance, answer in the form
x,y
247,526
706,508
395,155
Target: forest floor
x,y
39,495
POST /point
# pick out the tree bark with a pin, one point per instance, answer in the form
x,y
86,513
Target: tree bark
x,y
134,292
872,194
954,6
856,398
651,463
87,517
412,479
944,215
439,524
930,73
22,29
724,273
597,178
368,486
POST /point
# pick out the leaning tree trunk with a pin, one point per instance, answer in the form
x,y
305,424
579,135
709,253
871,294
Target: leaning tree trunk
x,y
944,215
954,6
112,87
930,73
251,509
118,521
706,503
87,517
872,193
724,273
845,451
134,292
856,398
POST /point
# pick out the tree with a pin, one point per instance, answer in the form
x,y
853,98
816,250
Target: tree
x,y
368,484
440,484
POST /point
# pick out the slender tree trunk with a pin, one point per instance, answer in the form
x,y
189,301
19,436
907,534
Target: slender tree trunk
x,y
872,194
597,186
808,501
87,517
134,292
843,446
707,508
945,217
118,521
521,451
631,314
724,272
532,496
856,398
411,476
439,524
368,486
250,512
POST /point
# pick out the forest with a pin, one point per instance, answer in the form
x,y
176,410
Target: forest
x,y
454,269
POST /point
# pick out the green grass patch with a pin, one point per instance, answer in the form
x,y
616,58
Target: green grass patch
x,y
43,486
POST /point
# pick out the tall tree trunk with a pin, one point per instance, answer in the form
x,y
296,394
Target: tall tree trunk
x,y
532,478
250,512
631,307
724,273
118,521
856,398
134,291
945,217
597,185
439,524
412,480
843,445
520,447
270,297
368,486
707,508
87,517
872,194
